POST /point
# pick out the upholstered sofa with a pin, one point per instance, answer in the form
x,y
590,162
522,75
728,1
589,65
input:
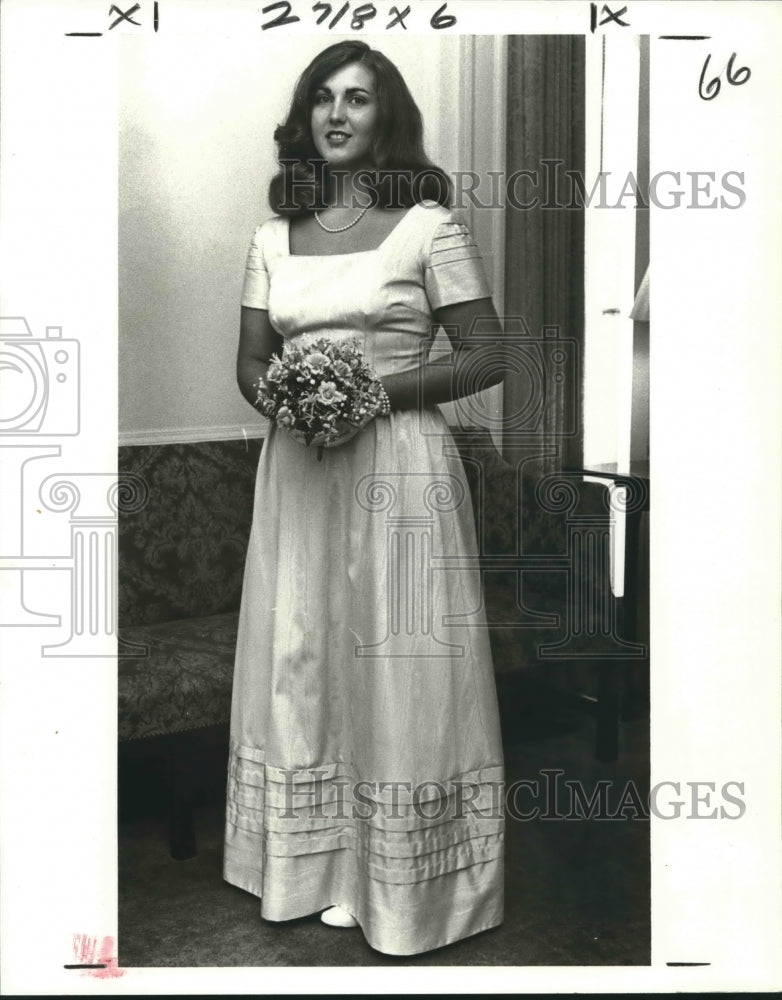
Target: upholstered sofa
x,y
182,544
182,549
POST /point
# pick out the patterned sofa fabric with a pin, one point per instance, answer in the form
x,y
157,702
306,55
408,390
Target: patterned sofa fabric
x,y
183,543
184,681
518,514
510,518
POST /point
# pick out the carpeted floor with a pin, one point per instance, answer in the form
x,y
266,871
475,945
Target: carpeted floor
x,y
576,891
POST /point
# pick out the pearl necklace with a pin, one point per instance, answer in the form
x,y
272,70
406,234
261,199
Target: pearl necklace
x,y
341,229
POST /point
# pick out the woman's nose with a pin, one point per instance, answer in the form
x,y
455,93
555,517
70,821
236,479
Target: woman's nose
x,y
337,110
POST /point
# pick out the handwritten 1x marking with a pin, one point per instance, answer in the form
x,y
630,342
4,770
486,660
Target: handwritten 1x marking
x,y
614,17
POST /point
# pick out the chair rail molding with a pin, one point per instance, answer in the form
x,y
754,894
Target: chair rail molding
x,y
191,435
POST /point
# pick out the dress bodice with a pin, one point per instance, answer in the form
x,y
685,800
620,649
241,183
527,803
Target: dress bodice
x,y
383,297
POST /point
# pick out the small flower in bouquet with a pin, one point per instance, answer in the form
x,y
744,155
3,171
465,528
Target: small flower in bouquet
x,y
314,391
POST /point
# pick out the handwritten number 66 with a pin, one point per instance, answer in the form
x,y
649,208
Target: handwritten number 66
x,y
714,85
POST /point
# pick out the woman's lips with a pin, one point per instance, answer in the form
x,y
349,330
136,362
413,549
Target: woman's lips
x,y
337,138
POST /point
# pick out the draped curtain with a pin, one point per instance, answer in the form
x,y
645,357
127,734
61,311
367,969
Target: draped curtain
x,y
544,263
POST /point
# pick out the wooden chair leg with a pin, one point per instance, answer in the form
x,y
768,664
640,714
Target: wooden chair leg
x,y
183,789
607,711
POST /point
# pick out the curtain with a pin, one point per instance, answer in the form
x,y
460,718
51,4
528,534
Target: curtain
x,y
544,264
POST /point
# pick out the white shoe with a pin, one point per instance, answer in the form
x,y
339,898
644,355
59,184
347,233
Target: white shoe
x,y
338,916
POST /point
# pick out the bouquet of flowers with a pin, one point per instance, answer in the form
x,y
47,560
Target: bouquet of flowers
x,y
314,391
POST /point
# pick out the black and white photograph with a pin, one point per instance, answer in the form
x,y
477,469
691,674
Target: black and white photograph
x,y
404,600
391,400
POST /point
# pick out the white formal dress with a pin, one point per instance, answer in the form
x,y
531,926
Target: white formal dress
x,y
366,763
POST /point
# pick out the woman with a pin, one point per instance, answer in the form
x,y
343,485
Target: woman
x,y
366,762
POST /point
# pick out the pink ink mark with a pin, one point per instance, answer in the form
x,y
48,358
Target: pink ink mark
x,y
86,949
109,959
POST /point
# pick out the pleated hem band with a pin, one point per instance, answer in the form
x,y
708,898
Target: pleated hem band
x,y
415,876
417,919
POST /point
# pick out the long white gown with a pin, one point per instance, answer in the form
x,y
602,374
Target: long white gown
x,y
365,762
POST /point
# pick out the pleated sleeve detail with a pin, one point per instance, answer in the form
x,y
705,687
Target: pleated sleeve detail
x,y
453,267
255,292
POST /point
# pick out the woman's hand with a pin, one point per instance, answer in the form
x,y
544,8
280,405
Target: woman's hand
x,y
348,429
345,431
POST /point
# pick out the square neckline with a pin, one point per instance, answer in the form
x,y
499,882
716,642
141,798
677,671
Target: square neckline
x,y
350,253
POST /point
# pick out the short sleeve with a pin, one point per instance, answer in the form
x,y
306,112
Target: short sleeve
x,y
453,267
255,292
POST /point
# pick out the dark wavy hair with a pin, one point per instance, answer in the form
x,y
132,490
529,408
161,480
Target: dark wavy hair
x,y
402,174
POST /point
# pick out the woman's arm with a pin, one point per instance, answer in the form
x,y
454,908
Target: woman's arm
x,y
258,340
475,333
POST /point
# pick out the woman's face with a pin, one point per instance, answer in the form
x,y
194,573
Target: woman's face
x,y
344,117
